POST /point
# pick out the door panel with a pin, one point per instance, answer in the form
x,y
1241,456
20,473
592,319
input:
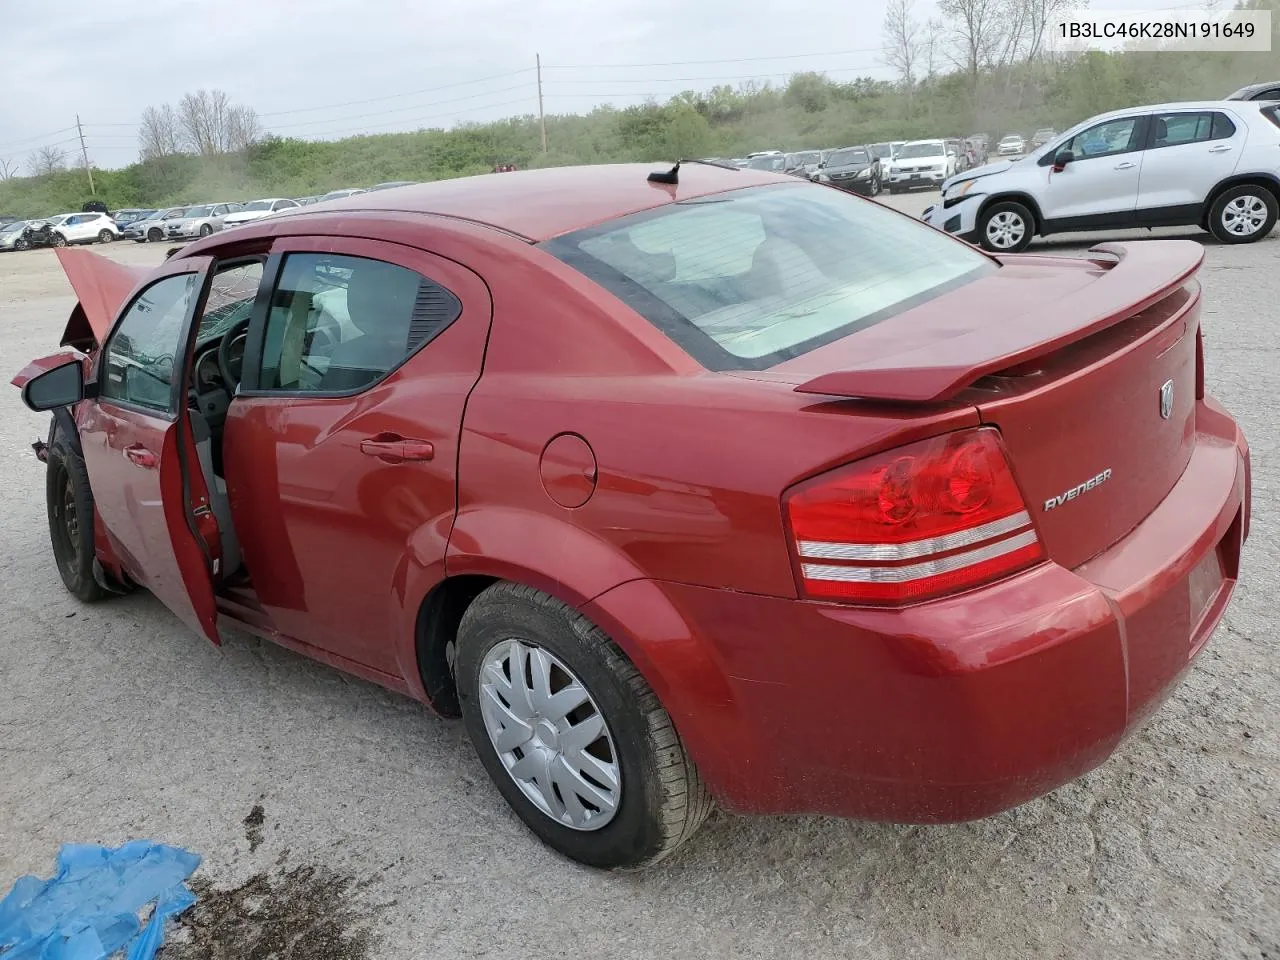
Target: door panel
x,y
335,497
1100,186
1188,153
137,445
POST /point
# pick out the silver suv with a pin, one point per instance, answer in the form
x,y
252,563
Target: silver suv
x,y
200,221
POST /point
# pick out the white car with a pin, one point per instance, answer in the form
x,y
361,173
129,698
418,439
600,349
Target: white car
x,y
921,163
85,228
1212,164
258,209
1011,146
200,221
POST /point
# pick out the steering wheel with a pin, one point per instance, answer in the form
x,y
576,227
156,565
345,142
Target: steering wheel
x,y
224,355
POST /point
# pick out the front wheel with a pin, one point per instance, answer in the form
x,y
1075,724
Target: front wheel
x,y
1243,214
154,235
571,734
205,229
22,243
105,236
70,504
1005,227
875,186
59,240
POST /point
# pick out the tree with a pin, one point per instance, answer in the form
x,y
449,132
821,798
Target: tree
x,y
47,160
209,124
977,29
8,169
902,41
160,134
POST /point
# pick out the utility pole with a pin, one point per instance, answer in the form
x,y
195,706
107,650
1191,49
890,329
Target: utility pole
x,y
542,119
84,152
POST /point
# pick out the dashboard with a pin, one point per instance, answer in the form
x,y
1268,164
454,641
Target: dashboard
x,y
210,392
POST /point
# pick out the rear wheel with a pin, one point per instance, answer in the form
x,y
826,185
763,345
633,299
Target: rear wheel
x,y
1243,214
70,504
105,236
59,240
1006,227
205,229
22,243
571,734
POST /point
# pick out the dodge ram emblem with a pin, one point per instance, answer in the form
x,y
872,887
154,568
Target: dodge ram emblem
x,y
1166,400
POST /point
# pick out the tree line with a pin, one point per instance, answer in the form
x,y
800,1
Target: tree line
x,y
981,67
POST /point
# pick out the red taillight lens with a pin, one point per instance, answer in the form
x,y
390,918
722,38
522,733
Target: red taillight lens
x,y
934,517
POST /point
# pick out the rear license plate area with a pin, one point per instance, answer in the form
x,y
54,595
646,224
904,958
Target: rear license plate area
x,y
1204,584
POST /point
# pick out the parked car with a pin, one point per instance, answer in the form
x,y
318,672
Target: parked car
x,y
960,151
130,215
151,228
854,169
978,147
306,201
75,228
341,194
39,233
11,235
1042,136
513,468
897,145
95,206
764,153
803,163
921,163
199,221
1213,164
1011,145
772,162
257,209
5,219
1270,90
390,184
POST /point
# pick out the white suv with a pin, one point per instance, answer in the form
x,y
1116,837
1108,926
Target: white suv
x,y
921,163
84,228
1215,165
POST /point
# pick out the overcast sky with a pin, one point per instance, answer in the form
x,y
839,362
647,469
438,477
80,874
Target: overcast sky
x,y
416,62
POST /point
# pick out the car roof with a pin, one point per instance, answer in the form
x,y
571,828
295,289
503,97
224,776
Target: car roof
x,y
1178,105
540,204
1245,92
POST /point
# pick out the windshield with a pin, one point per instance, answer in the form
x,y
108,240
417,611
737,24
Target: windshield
x,y
809,156
337,194
198,212
1012,138
881,151
913,150
767,163
175,212
843,157
750,278
13,227
258,205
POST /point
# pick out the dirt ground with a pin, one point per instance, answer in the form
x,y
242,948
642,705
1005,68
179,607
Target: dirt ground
x,y
338,821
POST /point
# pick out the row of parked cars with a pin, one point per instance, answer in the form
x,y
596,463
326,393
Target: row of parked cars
x,y
183,222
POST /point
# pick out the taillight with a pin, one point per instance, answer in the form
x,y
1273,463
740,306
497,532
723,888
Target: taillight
x,y
930,518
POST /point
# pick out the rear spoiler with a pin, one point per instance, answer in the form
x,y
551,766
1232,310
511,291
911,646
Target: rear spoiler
x,y
1139,275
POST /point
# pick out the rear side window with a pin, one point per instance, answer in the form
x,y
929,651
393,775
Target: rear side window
x,y
753,277
339,324
1175,129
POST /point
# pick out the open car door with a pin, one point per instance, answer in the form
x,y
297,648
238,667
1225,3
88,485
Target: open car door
x,y
139,449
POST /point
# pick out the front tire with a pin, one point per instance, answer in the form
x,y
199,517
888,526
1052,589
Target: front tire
x,y
205,229
22,243
1006,227
59,240
154,235
1243,214
572,735
70,506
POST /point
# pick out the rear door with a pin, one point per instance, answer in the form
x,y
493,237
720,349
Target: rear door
x,y
1099,187
138,446
1188,153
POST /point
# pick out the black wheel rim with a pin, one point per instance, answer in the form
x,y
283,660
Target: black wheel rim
x,y
67,526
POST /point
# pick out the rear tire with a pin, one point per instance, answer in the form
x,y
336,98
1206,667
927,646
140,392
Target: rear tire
x,y
71,513
59,240
22,243
1243,214
1006,227
105,236
656,799
205,229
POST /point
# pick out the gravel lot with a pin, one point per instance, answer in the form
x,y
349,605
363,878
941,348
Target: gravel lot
x,y
337,820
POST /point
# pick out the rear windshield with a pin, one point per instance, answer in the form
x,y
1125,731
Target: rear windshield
x,y
747,279
841,157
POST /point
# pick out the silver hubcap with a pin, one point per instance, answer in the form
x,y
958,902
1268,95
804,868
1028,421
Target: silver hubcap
x,y
550,735
1006,229
1244,216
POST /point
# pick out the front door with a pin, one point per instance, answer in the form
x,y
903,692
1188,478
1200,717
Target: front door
x,y
342,444
1099,187
139,452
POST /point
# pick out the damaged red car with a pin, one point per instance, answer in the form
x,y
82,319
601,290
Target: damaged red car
x,y
709,487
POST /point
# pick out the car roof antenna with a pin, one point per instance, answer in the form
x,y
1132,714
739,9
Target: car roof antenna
x,y
667,176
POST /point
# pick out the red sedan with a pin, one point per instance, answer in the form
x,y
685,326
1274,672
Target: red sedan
x,y
715,486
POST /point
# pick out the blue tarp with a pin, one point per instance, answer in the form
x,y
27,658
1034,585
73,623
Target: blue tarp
x,y
89,909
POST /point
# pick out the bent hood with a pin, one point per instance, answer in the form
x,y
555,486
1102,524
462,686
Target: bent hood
x,y
101,286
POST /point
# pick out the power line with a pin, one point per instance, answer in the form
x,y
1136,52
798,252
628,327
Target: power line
x,y
419,120
687,63
383,113
42,136
395,96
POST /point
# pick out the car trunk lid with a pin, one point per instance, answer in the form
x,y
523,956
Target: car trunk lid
x,y
1088,368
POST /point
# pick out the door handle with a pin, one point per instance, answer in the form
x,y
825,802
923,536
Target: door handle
x,y
140,455
1220,148
393,448
1127,165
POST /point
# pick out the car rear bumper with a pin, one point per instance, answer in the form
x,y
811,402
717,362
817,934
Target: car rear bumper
x,y
953,709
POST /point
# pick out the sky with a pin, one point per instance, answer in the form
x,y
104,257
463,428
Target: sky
x,y
327,68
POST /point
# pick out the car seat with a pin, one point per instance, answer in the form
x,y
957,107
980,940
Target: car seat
x,y
380,305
